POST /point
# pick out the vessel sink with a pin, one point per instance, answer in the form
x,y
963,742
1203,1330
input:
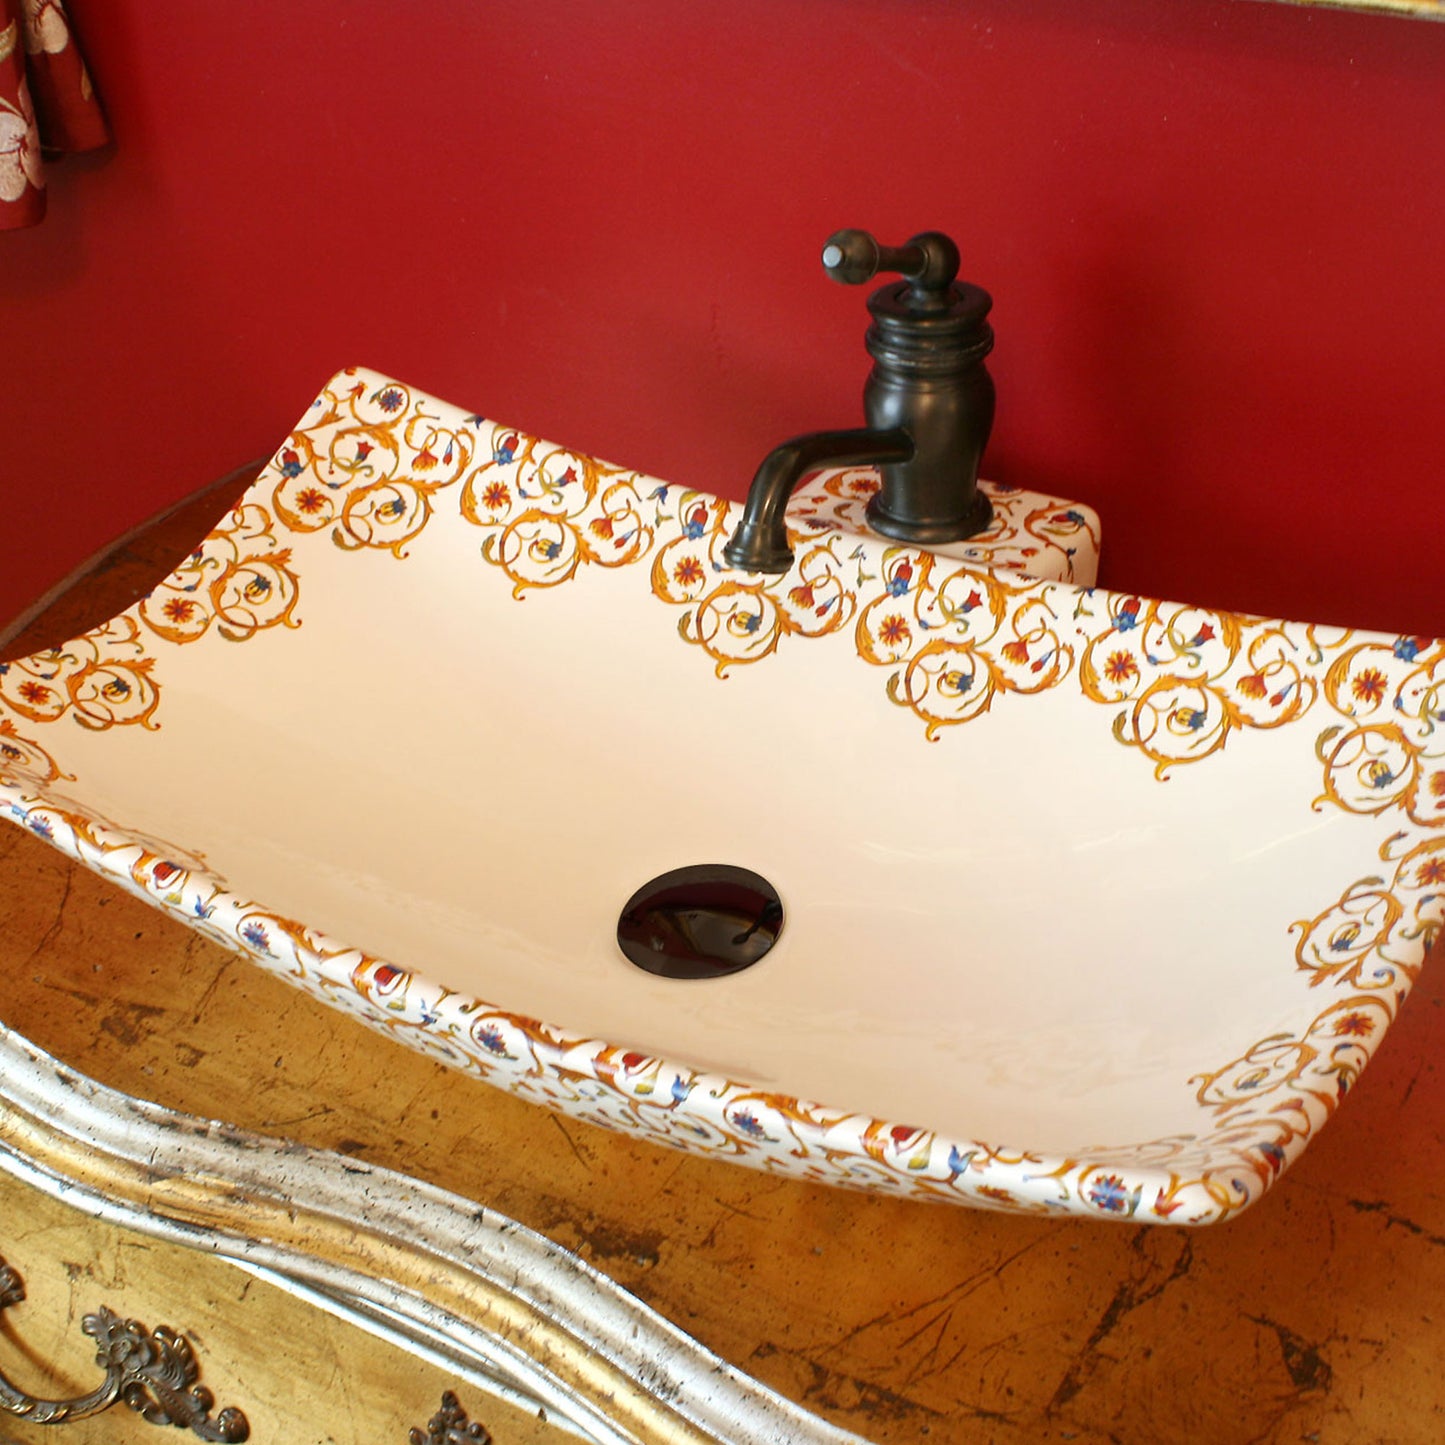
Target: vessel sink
x,y
1087,903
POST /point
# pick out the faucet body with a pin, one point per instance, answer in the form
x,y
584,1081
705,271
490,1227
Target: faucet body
x,y
928,402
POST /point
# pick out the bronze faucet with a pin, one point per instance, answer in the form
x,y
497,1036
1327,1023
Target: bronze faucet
x,y
928,402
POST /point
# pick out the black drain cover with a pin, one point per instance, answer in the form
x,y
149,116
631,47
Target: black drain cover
x,y
705,921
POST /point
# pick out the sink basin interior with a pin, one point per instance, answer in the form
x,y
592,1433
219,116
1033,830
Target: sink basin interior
x,y
1012,915
1017,949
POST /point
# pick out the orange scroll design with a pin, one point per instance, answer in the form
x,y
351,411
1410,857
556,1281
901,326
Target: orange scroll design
x,y
1390,754
548,511
368,464
238,580
958,637
102,679
741,617
1190,677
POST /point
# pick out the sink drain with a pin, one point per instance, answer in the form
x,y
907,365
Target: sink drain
x,y
706,921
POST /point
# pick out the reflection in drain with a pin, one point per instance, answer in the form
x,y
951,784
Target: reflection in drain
x,y
706,921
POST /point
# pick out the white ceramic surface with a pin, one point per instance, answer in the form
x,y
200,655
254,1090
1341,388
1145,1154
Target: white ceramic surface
x,y
1094,903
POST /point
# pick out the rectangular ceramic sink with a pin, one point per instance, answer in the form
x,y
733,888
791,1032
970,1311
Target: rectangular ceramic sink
x,y
1092,903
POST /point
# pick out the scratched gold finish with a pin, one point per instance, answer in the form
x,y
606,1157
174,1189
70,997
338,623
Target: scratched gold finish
x,y
1316,1316
334,1384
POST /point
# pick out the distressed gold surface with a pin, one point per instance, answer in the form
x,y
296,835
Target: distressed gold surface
x,y
1317,1316
298,1374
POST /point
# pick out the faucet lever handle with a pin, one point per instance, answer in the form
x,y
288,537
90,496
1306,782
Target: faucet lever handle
x,y
929,261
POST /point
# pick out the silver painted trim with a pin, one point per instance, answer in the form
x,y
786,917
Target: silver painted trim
x,y
210,1186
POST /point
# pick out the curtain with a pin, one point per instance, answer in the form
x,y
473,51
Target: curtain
x,y
47,104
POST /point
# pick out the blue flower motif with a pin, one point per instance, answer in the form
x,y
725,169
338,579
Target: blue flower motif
x,y
960,682
681,1088
1109,1193
389,399
503,455
255,935
747,1123
1407,649
752,622
41,827
551,549
490,1037
1192,717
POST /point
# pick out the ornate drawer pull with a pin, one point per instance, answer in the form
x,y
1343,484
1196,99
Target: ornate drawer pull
x,y
450,1426
153,1371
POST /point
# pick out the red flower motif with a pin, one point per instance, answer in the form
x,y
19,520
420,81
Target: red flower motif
x,y
893,630
688,572
178,609
1369,686
36,692
310,500
425,460
1016,651
600,527
1431,872
1354,1026
496,497
1252,686
1119,667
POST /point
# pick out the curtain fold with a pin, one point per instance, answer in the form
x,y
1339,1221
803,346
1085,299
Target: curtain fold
x,y
48,106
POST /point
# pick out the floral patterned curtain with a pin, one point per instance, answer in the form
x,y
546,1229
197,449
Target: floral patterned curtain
x,y
47,104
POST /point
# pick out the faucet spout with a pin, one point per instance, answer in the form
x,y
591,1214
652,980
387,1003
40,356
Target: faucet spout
x,y
928,403
760,543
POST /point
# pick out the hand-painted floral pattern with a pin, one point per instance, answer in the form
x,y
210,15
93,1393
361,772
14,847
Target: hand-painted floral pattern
x,y
25,762
1192,677
1175,683
238,580
740,617
1029,532
1390,752
548,511
100,680
367,463
958,637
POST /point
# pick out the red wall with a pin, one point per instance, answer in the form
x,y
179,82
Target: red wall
x,y
1213,230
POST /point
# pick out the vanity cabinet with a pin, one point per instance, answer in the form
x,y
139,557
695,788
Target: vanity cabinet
x,y
299,1374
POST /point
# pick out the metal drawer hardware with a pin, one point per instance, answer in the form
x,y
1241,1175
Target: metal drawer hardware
x,y
153,1371
450,1426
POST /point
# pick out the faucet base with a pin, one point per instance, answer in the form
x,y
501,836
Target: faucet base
x,y
925,532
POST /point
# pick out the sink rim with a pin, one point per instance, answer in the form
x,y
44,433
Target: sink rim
x,y
621,1082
